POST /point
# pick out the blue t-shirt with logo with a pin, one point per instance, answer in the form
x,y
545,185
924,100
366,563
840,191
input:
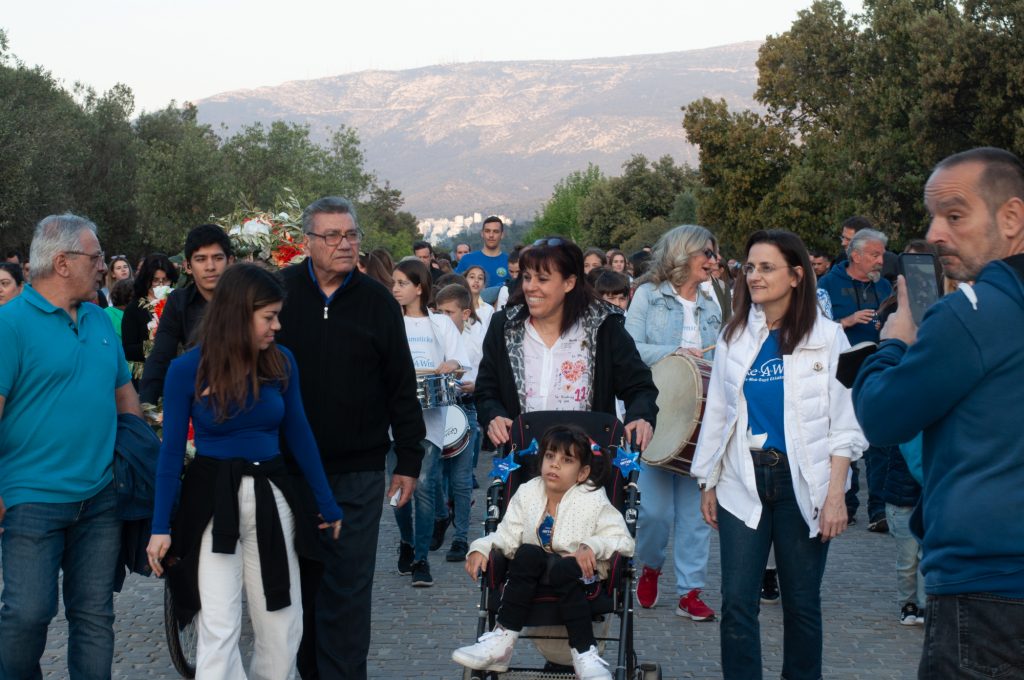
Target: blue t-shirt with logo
x,y
763,390
494,266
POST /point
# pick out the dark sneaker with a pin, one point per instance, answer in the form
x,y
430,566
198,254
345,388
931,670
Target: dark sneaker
x,y
440,527
405,558
910,615
457,552
851,520
769,587
421,577
879,526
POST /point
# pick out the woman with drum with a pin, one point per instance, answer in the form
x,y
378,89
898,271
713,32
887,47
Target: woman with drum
x,y
437,351
673,314
774,451
557,347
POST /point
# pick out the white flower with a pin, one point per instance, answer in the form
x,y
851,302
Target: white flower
x,y
255,226
161,292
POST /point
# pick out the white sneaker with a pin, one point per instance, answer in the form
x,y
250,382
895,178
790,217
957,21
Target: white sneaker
x,y
492,652
589,665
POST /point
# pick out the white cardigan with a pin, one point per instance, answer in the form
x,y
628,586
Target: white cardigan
x,y
818,413
584,517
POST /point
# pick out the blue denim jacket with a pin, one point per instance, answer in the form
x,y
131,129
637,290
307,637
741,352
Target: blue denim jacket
x,y
655,320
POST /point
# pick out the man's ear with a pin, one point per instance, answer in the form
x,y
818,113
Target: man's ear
x,y
1010,219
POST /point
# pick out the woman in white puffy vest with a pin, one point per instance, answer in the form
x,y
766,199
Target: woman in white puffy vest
x,y
774,453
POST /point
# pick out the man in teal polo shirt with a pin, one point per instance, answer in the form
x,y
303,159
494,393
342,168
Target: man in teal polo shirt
x,y
63,380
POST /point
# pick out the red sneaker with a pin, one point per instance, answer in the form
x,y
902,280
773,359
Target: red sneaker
x,y
647,588
691,605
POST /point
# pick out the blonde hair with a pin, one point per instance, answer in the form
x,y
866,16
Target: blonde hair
x,y
670,259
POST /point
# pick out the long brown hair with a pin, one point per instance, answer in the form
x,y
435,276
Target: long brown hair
x,y
419,275
802,312
231,365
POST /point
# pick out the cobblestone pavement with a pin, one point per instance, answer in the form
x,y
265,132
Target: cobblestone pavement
x,y
415,629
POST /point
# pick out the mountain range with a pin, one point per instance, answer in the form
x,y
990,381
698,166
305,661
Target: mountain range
x,y
496,136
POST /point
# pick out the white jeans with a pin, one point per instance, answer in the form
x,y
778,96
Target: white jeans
x,y
221,578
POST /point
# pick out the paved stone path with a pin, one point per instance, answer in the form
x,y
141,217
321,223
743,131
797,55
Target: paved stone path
x,y
414,630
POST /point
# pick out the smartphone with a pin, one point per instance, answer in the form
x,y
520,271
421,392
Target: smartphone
x,y
922,282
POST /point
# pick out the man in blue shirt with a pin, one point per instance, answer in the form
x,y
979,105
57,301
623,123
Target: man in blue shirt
x,y
63,380
856,289
959,379
493,261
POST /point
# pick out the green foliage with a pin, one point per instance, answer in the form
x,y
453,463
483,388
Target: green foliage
x,y
147,181
561,214
858,109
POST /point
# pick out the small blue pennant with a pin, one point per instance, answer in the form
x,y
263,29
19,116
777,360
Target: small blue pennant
x,y
626,461
532,449
501,468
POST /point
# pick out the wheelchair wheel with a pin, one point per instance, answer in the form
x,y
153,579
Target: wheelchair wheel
x,y
181,642
650,671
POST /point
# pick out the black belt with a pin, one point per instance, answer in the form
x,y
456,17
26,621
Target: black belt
x,y
768,457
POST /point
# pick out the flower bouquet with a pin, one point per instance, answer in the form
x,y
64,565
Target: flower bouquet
x,y
272,236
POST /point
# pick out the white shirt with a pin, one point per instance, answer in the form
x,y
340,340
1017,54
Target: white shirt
x,y
557,378
473,341
484,312
691,334
432,341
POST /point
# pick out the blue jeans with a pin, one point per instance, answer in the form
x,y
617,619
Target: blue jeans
x,y
876,463
456,483
672,502
39,540
975,635
909,581
801,563
416,527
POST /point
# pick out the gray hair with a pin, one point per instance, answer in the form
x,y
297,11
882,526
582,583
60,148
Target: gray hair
x,y
335,205
670,259
865,236
55,234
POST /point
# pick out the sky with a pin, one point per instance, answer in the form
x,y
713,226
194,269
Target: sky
x,y
185,50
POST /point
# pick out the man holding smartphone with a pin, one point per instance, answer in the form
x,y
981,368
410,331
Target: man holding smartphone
x,y
959,379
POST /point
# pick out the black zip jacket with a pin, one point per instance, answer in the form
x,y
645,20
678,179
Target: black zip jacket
x,y
618,372
182,314
355,371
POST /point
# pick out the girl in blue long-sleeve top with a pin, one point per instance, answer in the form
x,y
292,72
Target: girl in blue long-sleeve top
x,y
240,518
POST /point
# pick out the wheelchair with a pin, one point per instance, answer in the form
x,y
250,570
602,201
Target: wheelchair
x,y
609,599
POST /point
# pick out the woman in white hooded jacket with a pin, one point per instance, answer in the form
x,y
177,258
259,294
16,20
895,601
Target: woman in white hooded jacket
x,y
774,452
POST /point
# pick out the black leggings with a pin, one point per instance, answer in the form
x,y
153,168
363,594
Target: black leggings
x,y
533,566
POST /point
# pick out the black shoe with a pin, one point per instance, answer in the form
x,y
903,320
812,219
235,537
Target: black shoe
x,y
440,527
879,526
851,520
910,615
405,558
421,577
769,587
457,552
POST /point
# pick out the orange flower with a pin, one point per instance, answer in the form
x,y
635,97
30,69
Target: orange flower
x,y
158,308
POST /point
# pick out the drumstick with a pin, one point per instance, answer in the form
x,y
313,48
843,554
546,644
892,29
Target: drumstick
x,y
707,349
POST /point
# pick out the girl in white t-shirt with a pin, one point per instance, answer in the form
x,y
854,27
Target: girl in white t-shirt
x,y
477,279
436,347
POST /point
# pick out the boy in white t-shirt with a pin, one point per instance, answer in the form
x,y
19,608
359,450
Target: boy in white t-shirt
x,y
457,480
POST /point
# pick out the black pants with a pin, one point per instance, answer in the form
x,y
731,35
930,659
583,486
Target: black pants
x,y
337,596
532,567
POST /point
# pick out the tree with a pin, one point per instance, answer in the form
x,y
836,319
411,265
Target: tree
x,y
858,109
384,225
561,214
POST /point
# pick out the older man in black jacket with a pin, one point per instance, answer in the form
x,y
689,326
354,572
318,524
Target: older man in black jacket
x,y
357,381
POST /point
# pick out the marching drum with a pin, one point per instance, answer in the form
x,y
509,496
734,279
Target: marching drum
x,y
457,432
435,390
682,383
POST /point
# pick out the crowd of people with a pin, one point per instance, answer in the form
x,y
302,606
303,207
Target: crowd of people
x,y
295,406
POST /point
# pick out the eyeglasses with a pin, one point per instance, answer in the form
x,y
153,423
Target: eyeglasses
x,y
709,253
764,269
333,238
93,257
549,242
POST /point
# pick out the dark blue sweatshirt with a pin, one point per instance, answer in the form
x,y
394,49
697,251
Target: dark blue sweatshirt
x,y
252,433
962,384
849,295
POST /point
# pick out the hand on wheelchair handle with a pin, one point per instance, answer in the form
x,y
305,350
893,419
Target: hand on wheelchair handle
x,y
476,563
639,433
498,430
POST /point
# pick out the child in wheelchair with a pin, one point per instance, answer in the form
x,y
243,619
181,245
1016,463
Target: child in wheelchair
x,y
559,532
